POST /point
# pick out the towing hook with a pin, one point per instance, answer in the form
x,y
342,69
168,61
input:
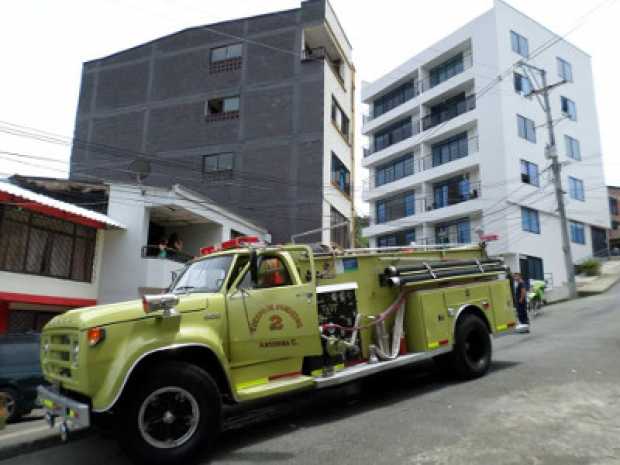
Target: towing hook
x,y
64,431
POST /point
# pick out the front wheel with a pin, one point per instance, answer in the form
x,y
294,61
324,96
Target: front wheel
x,y
471,355
173,417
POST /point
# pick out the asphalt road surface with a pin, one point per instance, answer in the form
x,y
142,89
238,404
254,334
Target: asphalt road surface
x,y
552,397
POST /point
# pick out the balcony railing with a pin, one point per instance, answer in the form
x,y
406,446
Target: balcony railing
x,y
413,131
456,193
449,112
422,163
421,86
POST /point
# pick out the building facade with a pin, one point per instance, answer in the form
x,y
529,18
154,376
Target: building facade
x,y
456,153
614,212
255,113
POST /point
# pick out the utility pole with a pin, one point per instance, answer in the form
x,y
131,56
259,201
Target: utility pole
x,y
551,152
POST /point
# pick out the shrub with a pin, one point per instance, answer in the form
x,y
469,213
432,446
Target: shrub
x,y
590,267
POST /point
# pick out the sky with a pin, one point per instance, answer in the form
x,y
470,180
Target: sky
x,y
45,42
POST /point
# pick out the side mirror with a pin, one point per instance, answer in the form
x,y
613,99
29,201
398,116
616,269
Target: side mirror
x,y
254,267
173,276
157,302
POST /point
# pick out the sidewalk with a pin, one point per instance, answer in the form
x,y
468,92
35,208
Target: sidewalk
x,y
590,285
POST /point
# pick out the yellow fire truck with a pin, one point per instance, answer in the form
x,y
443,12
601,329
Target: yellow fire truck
x,y
247,321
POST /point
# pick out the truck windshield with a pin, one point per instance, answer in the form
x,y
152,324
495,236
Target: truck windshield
x,y
204,276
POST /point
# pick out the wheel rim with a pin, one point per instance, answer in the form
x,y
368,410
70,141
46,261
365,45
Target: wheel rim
x,y
168,417
9,403
476,349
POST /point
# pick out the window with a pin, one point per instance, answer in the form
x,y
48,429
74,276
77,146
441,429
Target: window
x,y
565,70
223,108
339,234
573,150
393,134
446,70
272,272
452,191
519,44
396,207
394,98
522,84
613,206
615,225
526,128
531,268
529,220
448,109
340,120
218,163
577,233
395,170
341,176
451,149
568,108
41,245
396,239
575,189
529,173
225,53
458,231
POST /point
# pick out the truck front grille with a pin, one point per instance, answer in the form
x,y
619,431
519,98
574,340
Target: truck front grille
x,y
58,358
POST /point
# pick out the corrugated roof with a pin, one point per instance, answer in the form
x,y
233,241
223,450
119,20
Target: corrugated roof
x,y
18,194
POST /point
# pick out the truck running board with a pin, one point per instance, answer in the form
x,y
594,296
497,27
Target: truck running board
x,y
366,369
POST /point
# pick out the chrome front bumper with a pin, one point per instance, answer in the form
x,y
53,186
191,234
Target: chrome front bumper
x,y
73,415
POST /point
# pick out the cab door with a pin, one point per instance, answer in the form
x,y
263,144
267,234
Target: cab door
x,y
276,317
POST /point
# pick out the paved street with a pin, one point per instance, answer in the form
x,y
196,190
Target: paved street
x,y
553,397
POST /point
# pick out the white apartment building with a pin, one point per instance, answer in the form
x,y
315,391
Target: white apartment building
x,y
456,152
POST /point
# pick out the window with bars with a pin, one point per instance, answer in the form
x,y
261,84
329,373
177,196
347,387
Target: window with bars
x,y
573,149
36,244
339,234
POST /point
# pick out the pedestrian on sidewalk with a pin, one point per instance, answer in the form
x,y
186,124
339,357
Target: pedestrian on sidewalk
x,y
520,291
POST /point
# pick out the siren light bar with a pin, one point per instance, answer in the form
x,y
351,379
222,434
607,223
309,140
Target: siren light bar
x,y
236,243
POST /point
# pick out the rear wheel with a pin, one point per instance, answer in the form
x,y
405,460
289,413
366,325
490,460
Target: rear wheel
x,y
173,417
471,356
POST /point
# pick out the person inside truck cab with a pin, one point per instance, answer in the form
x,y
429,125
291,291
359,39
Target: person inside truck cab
x,y
272,273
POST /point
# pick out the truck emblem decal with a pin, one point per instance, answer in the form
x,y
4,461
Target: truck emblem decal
x,y
275,324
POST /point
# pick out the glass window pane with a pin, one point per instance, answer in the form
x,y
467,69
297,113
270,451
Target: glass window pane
x,y
231,104
234,51
218,54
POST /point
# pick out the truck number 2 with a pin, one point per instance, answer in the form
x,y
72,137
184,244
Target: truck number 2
x,y
276,323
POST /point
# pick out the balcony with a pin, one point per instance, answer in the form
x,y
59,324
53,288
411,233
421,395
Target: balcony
x,y
423,85
410,130
449,112
453,193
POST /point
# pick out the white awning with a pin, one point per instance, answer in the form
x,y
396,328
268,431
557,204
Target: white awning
x,y
12,194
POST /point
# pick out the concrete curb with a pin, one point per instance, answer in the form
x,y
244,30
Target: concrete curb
x,y
36,444
593,288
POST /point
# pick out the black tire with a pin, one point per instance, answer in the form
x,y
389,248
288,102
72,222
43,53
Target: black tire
x,y
471,356
169,390
11,399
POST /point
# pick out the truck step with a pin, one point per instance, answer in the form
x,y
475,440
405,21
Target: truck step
x,y
275,387
366,369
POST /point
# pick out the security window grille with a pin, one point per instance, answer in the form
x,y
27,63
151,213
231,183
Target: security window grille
x,y
519,44
222,108
577,233
226,53
393,134
522,84
529,220
219,165
446,70
394,98
451,149
529,173
341,176
396,207
340,120
568,108
613,206
526,128
41,245
573,150
575,189
396,239
565,70
458,231
393,171
339,234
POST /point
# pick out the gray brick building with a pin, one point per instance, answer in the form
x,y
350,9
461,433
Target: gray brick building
x,y
255,113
